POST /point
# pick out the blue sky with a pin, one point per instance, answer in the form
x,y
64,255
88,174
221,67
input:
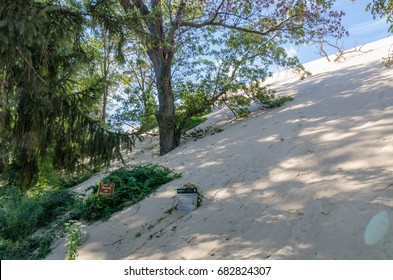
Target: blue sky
x,y
360,24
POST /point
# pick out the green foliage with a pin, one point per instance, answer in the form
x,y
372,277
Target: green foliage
x,y
70,180
96,207
199,133
131,186
281,100
50,94
42,245
193,122
54,204
138,108
382,8
15,250
49,177
231,75
238,104
267,97
21,214
137,102
74,238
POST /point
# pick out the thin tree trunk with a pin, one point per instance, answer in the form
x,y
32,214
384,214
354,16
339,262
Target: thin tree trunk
x,y
105,73
5,127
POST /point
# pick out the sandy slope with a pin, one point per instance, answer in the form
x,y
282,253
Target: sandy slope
x,y
310,180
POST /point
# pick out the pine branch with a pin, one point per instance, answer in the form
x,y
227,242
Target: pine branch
x,y
31,66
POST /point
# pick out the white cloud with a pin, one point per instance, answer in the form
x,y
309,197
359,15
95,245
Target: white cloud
x,y
291,51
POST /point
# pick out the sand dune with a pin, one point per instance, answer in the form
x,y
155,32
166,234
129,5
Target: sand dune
x,y
310,180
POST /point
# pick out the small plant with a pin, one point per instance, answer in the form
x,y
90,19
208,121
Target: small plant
x,y
199,133
279,101
388,61
268,98
75,237
150,227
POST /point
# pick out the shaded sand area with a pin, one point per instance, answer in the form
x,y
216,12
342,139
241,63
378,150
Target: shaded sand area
x,y
310,180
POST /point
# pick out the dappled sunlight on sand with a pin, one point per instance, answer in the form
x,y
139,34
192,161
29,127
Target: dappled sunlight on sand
x,y
336,136
269,138
299,106
210,164
310,180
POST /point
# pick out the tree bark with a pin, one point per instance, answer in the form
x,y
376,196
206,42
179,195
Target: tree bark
x,y
166,110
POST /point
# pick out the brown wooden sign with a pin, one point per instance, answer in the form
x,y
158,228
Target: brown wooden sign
x,y
106,190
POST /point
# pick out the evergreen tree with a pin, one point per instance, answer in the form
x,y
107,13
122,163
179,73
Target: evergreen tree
x,y
44,104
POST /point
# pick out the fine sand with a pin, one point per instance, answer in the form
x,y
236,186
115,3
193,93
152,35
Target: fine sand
x,y
310,180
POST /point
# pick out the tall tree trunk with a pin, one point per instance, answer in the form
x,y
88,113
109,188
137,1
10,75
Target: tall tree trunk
x,y
166,111
5,126
25,154
105,73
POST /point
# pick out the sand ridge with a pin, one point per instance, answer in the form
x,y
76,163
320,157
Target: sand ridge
x,y
310,180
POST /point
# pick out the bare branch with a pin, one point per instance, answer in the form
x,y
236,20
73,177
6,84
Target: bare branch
x,y
340,52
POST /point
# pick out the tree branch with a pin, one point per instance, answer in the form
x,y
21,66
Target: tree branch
x,y
238,28
31,66
221,24
139,4
175,24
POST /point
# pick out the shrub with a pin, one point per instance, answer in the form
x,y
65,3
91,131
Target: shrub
x,y
14,250
95,207
54,203
279,101
22,214
131,186
19,215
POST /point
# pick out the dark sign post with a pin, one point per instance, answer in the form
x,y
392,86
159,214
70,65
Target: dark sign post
x,y
187,200
106,190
